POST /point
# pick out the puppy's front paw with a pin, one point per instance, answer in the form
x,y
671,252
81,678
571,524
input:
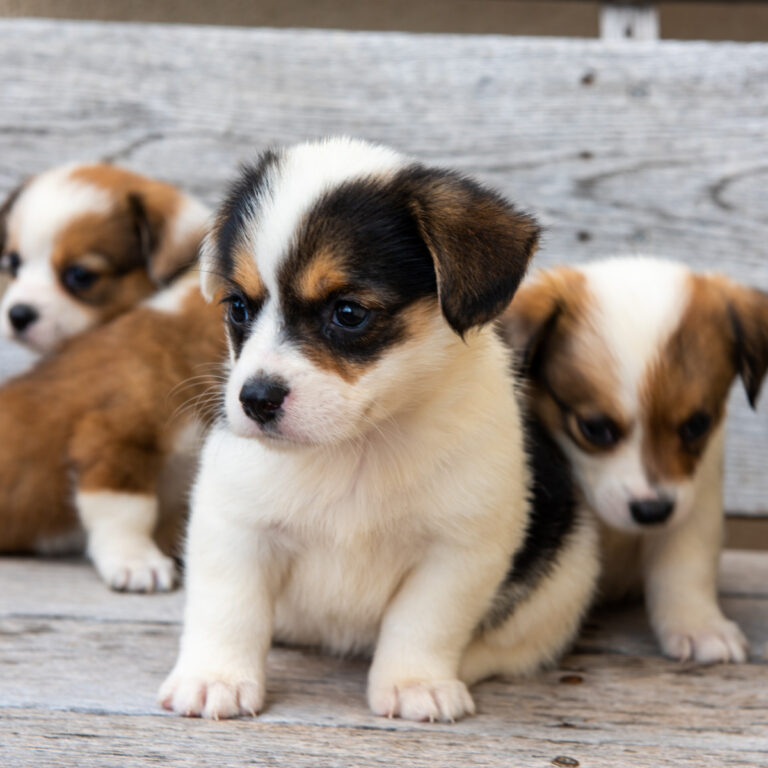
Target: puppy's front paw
x,y
211,696
710,643
137,570
446,700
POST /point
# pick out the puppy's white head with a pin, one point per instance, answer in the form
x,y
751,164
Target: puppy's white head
x,y
350,273
83,243
630,363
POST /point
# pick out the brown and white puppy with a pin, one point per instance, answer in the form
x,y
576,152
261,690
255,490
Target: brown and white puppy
x,y
367,488
97,432
83,243
630,363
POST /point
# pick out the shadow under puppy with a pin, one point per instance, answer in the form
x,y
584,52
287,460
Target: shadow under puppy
x,y
630,362
83,243
367,487
99,433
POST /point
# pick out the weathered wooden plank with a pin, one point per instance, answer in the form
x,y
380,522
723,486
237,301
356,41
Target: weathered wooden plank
x,y
79,667
69,588
618,148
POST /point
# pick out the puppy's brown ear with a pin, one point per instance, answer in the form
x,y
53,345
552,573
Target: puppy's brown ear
x,y
165,251
748,315
538,305
480,244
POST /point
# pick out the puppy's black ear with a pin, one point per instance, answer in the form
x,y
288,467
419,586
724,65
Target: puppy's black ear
x,y
5,209
480,244
164,253
748,315
531,319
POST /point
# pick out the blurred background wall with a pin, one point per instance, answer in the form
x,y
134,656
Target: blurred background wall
x,y
738,20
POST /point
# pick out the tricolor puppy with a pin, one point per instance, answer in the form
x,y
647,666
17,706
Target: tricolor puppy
x,y
367,488
102,437
83,243
631,361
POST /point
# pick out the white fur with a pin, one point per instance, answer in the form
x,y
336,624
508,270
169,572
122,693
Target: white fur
x,y
345,546
289,194
635,305
191,217
378,515
47,204
119,527
638,303
303,175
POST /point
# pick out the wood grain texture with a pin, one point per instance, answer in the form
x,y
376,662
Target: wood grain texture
x,y
79,668
621,148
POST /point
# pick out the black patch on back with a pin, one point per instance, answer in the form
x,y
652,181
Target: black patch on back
x,y
554,504
368,227
242,198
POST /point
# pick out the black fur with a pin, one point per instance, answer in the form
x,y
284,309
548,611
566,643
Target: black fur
x,y
553,517
750,345
369,229
242,197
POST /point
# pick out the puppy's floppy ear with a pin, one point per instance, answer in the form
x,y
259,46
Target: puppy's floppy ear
x,y
538,305
748,316
480,244
165,252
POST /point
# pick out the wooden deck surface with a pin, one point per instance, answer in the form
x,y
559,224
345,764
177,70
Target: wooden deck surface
x,y
79,667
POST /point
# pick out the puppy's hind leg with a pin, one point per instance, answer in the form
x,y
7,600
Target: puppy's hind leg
x,y
118,507
541,624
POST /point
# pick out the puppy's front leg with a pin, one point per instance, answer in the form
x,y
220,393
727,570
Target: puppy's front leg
x,y
116,500
230,584
424,633
680,573
120,525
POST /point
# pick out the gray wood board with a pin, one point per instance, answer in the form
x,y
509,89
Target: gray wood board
x,y
653,148
79,667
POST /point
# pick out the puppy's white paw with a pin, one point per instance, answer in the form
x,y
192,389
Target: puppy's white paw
x,y
423,700
144,570
211,696
718,641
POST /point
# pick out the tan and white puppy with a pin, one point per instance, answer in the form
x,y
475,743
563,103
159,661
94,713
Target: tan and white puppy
x,y
630,363
102,437
367,489
84,243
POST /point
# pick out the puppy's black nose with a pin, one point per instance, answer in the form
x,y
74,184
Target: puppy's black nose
x,y
22,316
262,399
651,511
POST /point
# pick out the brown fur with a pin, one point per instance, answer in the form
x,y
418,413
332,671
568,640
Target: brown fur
x,y
101,414
723,333
322,276
246,276
160,203
130,247
480,244
568,372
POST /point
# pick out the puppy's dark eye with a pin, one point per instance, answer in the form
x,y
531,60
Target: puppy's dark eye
x,y
600,431
694,427
10,263
238,311
350,315
77,278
